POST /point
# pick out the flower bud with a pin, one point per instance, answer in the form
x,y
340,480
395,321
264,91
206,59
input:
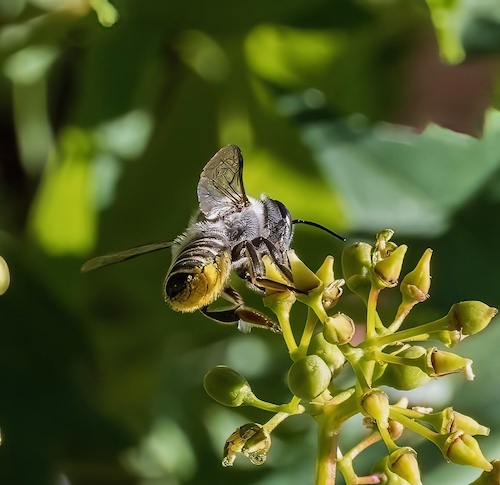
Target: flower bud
x,y
356,268
226,386
448,421
339,329
403,462
252,440
303,278
415,285
388,269
328,352
470,317
375,404
4,276
325,272
309,377
489,478
443,363
468,425
332,287
399,468
463,449
405,377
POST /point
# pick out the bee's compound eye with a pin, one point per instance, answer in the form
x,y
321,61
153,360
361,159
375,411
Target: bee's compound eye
x,y
176,283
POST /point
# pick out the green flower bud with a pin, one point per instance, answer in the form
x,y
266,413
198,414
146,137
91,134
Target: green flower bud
x,y
441,363
252,440
415,285
226,386
468,425
399,468
388,269
309,377
332,287
356,268
303,278
405,377
448,421
489,478
470,317
328,352
4,276
338,329
325,272
403,462
463,449
375,404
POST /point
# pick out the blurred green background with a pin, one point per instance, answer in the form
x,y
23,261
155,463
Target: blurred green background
x,y
357,114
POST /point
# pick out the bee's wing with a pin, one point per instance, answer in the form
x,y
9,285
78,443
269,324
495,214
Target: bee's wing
x,y
120,256
220,189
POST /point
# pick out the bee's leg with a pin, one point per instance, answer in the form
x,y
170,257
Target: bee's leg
x,y
275,255
239,312
256,272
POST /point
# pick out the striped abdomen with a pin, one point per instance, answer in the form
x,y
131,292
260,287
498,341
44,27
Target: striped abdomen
x,y
199,271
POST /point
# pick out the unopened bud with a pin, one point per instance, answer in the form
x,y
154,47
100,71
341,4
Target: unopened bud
x,y
467,425
252,440
470,317
309,377
399,468
404,463
448,421
415,285
463,449
443,363
330,353
325,272
226,386
4,276
356,268
387,270
375,404
338,329
303,278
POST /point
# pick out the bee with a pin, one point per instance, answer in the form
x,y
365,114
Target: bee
x,y
230,233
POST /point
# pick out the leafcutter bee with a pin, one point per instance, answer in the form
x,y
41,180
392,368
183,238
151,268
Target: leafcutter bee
x,y
230,232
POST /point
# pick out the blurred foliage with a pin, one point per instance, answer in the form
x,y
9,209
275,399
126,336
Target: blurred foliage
x,y
343,110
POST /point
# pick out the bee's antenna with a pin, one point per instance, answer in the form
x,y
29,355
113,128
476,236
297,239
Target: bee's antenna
x,y
319,226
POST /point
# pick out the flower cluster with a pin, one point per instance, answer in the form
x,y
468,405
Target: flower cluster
x,y
387,356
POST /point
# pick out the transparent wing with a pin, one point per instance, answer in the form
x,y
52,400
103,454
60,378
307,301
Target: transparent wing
x,y
113,258
220,189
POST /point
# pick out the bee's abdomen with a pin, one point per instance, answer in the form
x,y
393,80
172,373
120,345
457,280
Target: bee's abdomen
x,y
198,274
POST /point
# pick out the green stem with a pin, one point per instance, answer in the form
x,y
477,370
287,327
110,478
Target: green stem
x,y
371,313
292,407
307,334
275,421
326,460
402,313
417,333
286,329
413,425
